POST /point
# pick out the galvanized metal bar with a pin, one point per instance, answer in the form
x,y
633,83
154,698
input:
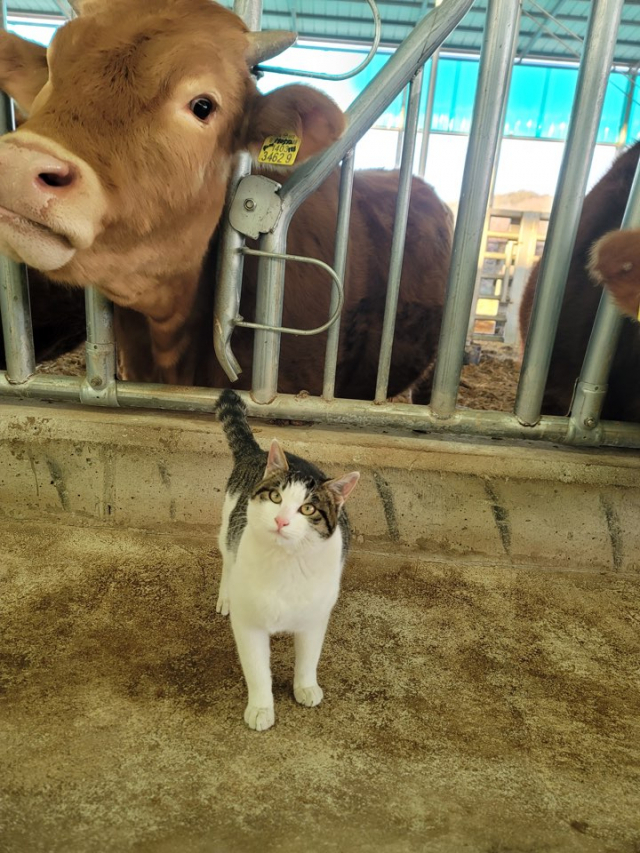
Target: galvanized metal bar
x,y
565,214
317,75
414,51
623,136
382,90
269,306
345,195
592,385
399,236
341,411
99,388
498,47
400,133
59,389
14,287
337,292
428,114
16,320
228,284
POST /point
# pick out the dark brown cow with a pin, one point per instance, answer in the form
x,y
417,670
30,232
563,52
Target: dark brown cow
x,y
118,179
602,212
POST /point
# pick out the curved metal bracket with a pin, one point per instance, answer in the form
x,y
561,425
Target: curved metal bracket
x,y
319,75
339,289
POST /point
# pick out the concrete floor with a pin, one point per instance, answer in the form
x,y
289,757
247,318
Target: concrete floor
x,y
467,708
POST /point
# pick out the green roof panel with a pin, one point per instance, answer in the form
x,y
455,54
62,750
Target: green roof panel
x,y
550,29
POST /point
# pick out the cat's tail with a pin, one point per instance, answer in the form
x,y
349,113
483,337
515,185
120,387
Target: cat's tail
x,y
232,414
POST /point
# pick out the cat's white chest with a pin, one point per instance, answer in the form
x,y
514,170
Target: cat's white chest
x,y
275,590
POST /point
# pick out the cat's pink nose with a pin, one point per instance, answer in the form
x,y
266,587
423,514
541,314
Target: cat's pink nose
x,y
281,522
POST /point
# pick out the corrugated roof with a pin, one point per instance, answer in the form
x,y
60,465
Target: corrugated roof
x,y
550,29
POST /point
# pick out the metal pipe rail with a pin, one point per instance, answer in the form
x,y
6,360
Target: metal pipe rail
x,y
345,195
399,237
565,213
498,49
357,413
100,387
230,258
318,75
592,385
383,89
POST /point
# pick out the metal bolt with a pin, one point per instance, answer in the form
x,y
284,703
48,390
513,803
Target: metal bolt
x,y
96,382
249,204
590,422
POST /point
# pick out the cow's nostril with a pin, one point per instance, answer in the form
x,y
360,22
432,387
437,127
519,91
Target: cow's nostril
x,y
56,179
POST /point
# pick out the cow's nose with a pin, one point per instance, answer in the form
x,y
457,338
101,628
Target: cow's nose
x,y
52,175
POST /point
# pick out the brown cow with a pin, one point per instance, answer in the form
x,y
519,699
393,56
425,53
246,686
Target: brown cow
x,y
614,262
118,179
602,211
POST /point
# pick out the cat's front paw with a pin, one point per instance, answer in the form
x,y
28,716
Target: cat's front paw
x,y
308,696
222,606
259,719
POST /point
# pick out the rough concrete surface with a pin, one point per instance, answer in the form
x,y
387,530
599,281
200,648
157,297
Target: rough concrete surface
x,y
520,503
467,707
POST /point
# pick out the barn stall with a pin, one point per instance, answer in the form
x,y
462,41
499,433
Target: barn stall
x,y
480,669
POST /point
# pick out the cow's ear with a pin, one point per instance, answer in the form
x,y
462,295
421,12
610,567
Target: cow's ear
x,y
301,110
23,69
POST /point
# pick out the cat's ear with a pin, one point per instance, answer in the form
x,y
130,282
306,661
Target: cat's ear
x,y
343,486
276,461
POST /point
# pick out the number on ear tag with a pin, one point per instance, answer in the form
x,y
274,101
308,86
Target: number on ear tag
x,y
280,150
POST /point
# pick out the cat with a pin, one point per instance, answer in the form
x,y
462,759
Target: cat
x,y
283,539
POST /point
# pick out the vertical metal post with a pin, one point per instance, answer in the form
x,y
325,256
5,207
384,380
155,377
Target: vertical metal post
x,y
340,266
565,214
593,383
621,141
399,236
476,289
99,388
269,304
14,288
228,286
401,132
428,114
493,85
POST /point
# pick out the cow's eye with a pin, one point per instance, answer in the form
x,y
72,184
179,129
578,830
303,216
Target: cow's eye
x,y
202,107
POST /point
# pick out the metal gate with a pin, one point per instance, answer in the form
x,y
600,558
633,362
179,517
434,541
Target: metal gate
x,y
100,387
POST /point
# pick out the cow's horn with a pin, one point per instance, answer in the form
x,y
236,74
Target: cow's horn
x,y
263,46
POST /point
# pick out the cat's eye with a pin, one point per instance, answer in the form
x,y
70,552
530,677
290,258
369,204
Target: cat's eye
x,y
307,509
275,496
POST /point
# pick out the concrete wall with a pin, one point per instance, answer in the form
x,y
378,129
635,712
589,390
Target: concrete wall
x,y
520,504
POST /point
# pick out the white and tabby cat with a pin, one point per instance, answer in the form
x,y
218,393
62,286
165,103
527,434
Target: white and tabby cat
x,y
283,539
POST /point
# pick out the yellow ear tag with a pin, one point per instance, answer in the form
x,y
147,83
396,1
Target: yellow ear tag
x,y
280,150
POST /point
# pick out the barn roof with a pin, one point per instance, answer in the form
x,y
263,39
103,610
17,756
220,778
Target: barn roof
x,y
550,29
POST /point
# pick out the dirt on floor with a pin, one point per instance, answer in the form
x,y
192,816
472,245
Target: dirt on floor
x,y
489,385
466,708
